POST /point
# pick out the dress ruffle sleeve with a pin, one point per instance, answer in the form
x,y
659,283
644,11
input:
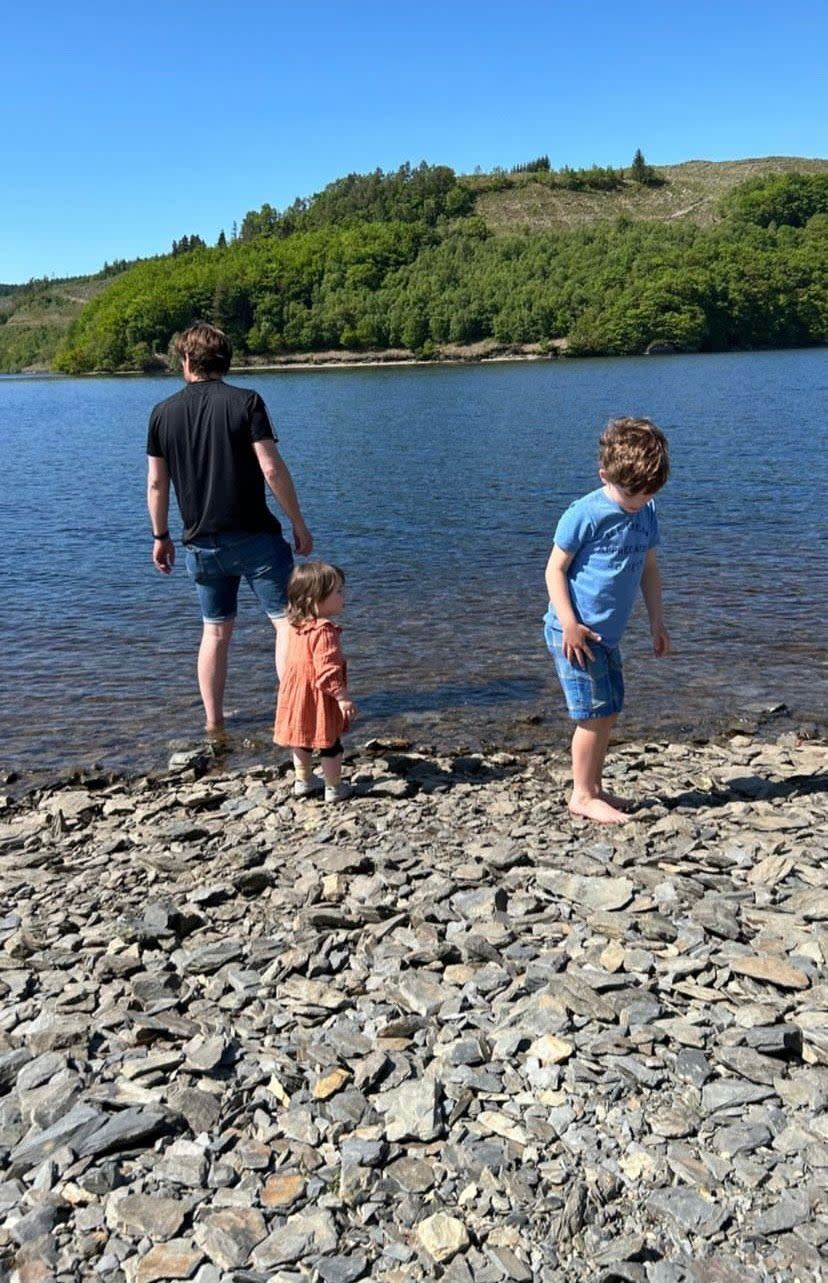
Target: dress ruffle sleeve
x,y
329,673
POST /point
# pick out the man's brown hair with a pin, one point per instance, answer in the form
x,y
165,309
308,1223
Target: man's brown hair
x,y
310,584
209,349
633,454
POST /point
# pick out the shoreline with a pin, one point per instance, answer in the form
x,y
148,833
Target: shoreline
x,y
350,360
529,734
483,353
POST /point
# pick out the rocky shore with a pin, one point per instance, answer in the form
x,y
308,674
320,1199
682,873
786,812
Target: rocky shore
x,y
439,1032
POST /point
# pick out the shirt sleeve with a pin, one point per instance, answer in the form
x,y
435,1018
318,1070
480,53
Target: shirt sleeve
x,y
153,440
261,426
655,535
573,529
328,663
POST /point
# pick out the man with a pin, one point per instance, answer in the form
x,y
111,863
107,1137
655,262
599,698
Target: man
x,y
216,443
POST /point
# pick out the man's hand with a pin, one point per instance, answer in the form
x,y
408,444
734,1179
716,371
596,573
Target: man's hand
x,y
163,555
575,646
661,641
302,539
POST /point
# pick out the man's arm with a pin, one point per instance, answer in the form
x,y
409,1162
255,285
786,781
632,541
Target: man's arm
x,y
651,591
280,483
158,503
575,634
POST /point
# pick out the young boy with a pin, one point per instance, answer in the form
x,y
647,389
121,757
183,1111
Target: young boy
x,y
605,547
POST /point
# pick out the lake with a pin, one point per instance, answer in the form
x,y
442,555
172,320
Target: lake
x,y
438,490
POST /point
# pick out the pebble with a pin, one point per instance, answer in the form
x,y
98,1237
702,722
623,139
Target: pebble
x,y
445,1031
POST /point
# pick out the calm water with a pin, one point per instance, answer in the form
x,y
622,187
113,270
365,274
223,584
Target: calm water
x,y
438,490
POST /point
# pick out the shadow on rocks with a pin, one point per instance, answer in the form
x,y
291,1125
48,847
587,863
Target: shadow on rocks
x,y
745,788
381,763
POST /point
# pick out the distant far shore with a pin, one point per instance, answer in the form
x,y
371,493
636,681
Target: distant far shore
x,y
449,354
487,350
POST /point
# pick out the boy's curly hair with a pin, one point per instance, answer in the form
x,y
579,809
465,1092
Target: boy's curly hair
x,y
633,454
310,584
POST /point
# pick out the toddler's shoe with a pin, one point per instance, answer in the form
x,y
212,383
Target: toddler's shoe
x,y
308,788
338,792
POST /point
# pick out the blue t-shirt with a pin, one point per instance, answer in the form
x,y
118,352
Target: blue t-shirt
x,y
608,547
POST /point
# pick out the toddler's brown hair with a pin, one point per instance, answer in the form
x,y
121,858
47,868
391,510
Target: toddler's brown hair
x,y
310,584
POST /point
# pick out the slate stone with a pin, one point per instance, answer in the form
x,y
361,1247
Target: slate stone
x,y
776,1040
688,1210
732,1093
229,1235
342,1269
145,1215
791,1210
124,1131
79,1123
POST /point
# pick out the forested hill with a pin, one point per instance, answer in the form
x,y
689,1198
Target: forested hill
x,y
700,256
35,318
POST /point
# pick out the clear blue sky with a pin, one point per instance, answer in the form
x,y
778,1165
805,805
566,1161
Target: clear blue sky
x,y
129,126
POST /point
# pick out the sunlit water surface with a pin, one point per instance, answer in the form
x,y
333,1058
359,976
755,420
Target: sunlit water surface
x,y
438,490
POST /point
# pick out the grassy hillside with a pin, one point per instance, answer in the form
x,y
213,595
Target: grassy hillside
x,y
391,287
691,192
35,318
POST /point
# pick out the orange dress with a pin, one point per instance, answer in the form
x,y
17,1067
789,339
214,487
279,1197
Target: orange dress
x,y
307,714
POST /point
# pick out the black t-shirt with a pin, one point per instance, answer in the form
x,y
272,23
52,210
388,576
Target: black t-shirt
x,y
205,433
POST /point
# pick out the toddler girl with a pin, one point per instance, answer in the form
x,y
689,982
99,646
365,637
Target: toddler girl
x,y
314,706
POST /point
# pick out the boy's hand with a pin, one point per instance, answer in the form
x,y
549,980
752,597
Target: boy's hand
x,y
661,642
575,646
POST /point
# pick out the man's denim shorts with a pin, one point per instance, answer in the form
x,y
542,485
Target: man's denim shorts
x,y
594,691
218,563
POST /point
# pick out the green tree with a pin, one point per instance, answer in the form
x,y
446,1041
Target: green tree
x,y
784,199
642,173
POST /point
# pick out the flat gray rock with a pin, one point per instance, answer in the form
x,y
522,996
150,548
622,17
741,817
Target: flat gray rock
x,y
689,1211
71,1130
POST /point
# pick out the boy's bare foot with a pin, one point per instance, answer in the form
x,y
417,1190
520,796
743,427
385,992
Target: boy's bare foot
x,y
597,809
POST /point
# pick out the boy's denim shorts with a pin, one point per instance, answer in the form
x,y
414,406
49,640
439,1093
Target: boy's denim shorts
x,y
218,563
594,691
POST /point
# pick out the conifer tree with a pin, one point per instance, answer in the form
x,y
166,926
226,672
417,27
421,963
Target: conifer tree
x,y
640,171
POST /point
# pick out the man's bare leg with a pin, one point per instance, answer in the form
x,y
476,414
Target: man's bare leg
x,y
589,749
212,671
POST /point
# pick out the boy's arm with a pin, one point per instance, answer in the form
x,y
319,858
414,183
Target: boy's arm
x,y
651,590
575,634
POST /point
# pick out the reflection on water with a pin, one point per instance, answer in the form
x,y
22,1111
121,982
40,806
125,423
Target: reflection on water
x,y
438,490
